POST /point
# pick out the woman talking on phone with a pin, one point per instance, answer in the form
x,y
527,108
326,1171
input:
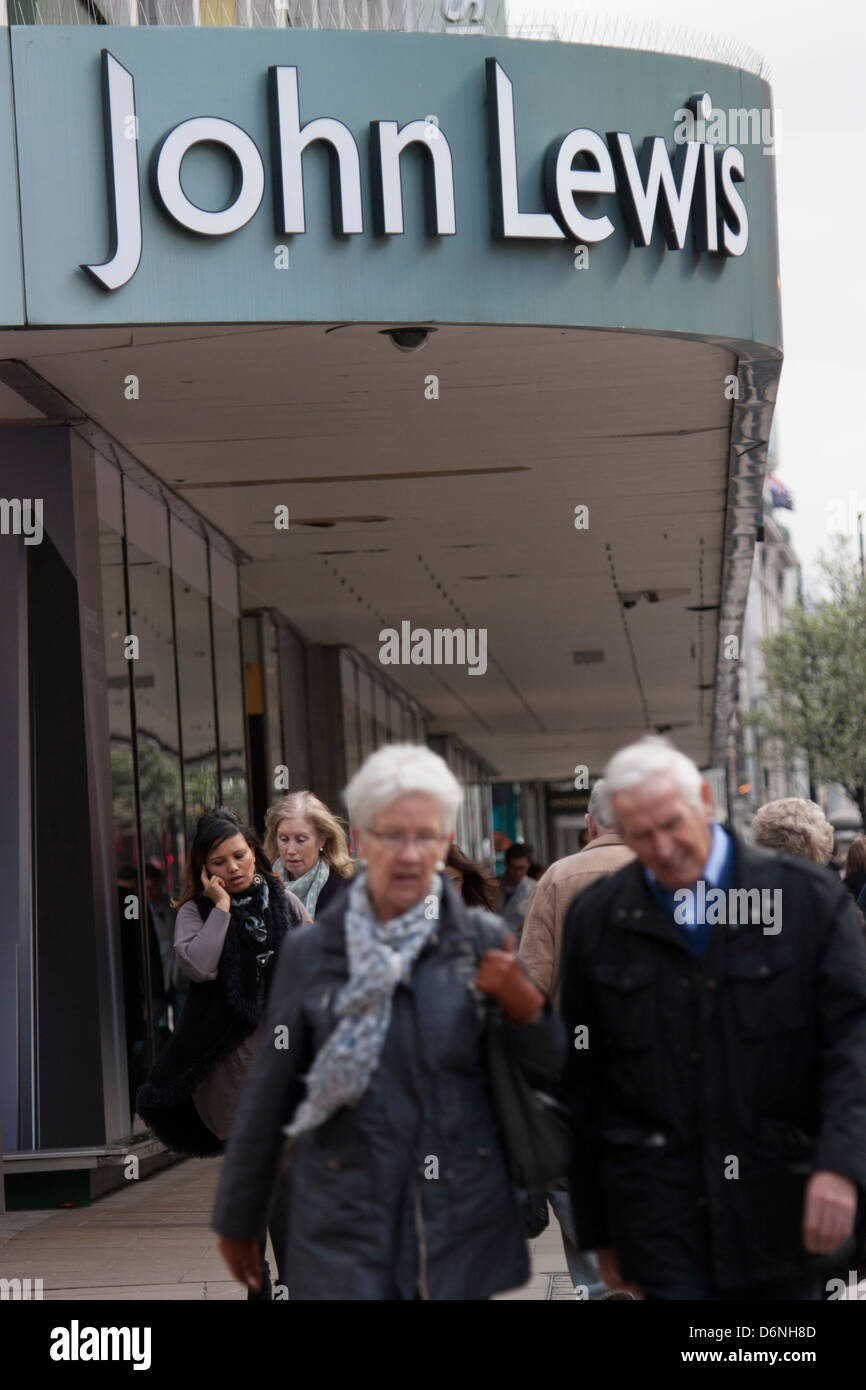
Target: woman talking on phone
x,y
233,916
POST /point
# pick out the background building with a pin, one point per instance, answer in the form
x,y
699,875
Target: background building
x,y
760,770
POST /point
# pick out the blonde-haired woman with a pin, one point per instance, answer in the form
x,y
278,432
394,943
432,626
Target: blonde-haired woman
x,y
306,845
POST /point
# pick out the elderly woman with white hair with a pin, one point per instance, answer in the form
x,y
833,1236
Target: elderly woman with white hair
x,y
378,1071
794,825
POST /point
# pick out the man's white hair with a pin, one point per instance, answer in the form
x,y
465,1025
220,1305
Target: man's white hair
x,y
400,769
599,806
637,762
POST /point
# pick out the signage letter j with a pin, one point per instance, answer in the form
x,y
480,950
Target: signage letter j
x,y
121,164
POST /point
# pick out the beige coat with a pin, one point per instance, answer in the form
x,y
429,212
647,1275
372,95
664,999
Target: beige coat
x,y
541,941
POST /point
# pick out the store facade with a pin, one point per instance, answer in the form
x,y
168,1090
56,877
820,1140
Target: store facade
x,y
216,273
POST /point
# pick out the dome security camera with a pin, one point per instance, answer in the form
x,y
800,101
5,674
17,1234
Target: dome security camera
x,y
409,339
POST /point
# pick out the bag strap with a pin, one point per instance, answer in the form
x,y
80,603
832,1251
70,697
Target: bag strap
x,y
485,936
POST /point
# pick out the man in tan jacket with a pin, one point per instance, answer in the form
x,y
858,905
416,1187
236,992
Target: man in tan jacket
x,y
541,952
541,940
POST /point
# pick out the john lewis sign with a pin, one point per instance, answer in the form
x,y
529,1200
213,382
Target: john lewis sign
x,y
691,196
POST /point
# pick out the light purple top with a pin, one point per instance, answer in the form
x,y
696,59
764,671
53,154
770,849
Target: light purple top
x,y
199,944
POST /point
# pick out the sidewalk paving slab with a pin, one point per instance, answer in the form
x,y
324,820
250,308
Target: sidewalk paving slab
x,y
152,1240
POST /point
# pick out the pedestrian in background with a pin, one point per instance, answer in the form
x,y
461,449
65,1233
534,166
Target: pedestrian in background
x,y
855,867
232,920
541,941
306,847
400,1188
515,886
541,953
793,825
719,1092
473,884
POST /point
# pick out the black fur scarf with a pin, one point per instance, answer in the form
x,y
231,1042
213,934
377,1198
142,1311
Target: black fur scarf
x,y
217,1016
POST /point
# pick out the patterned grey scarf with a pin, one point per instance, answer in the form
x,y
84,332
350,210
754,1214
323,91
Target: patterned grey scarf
x,y
248,910
381,955
306,886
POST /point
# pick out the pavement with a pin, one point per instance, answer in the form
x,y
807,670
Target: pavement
x,y
151,1240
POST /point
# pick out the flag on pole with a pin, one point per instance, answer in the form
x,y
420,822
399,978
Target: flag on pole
x,y
778,495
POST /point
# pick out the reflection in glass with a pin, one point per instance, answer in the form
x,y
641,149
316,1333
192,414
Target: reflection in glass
x,y
158,736
273,712
348,671
234,790
117,683
380,714
365,712
195,677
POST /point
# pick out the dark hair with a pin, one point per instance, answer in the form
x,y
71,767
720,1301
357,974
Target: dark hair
x,y
153,871
477,889
213,828
855,861
518,851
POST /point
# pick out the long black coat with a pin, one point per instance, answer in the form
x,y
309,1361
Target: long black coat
x,y
711,1089
369,1217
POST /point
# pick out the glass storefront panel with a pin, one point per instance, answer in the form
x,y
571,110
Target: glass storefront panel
x,y
396,720
273,709
164,758
365,712
117,670
156,714
381,715
195,673
348,681
231,716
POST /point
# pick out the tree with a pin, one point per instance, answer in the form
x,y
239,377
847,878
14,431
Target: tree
x,y
815,683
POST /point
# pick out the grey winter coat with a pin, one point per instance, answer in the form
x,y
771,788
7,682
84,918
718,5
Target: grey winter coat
x,y
407,1193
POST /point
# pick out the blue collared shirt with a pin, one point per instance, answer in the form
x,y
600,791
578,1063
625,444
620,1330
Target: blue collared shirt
x,y
716,873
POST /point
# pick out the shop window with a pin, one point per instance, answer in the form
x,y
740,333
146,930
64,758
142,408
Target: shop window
x,y
217,12
195,673
225,618
264,717
381,714
151,648
365,713
274,748
396,720
351,731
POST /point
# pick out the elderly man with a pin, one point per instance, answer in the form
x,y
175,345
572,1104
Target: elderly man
x,y
541,942
717,1076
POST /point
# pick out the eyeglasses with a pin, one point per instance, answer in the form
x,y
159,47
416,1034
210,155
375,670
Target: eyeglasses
x,y
395,840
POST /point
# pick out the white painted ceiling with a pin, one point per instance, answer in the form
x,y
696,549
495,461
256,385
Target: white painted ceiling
x,y
453,512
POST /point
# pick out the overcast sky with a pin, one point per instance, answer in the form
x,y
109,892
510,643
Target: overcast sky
x,y
817,60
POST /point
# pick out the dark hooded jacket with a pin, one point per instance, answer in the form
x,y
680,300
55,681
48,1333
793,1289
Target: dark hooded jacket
x,y
405,1194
